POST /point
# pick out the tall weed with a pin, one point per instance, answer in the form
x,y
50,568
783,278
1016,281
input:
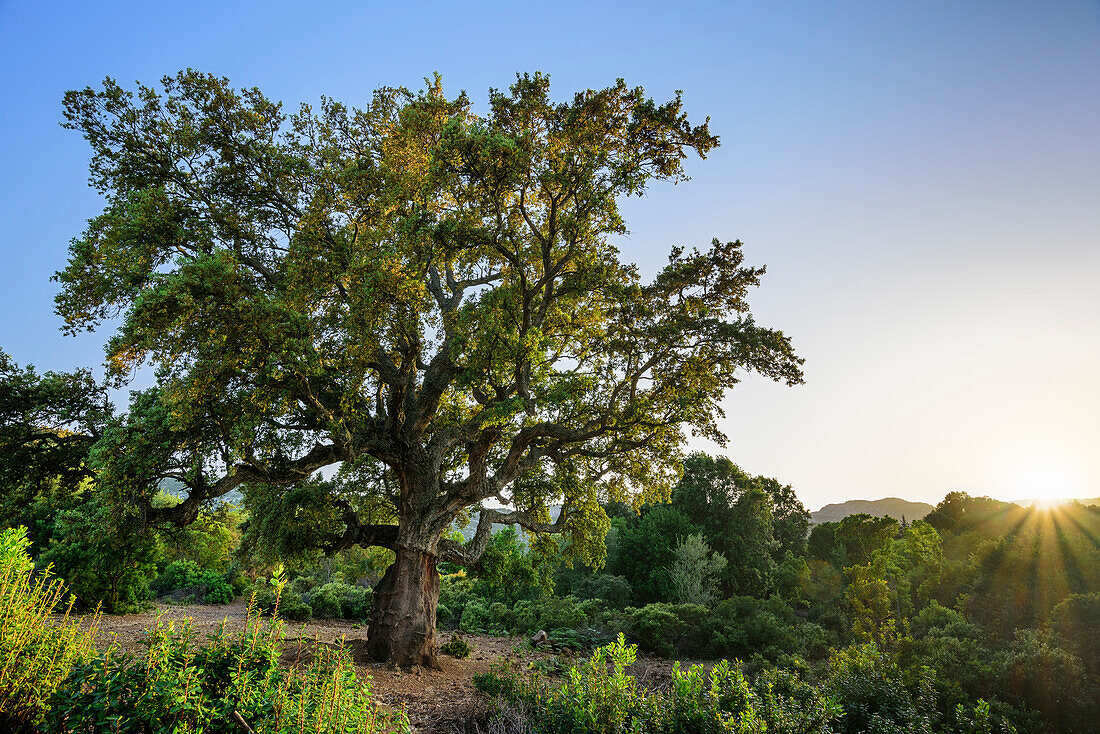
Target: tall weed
x,y
36,649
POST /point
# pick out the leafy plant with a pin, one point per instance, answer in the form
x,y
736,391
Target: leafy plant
x,y
36,651
694,571
233,683
600,697
456,647
186,577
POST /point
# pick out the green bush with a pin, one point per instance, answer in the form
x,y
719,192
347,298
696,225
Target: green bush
x,y
101,561
668,629
290,605
550,613
1038,674
337,600
598,696
615,590
876,696
231,684
218,593
577,640
498,684
187,578
456,647
36,649
303,585
475,615
501,618
454,592
334,600
740,627
744,626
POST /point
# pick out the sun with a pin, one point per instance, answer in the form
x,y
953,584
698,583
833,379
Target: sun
x,y
1044,481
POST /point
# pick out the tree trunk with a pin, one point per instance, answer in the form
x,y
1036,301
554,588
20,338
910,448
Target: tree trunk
x,y
401,626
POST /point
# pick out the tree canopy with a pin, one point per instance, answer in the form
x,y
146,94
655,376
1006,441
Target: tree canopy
x,y
426,297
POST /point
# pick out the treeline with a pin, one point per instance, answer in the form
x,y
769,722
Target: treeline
x,y
984,605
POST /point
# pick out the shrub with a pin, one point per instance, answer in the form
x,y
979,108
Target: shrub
x,y
577,640
303,585
598,696
875,696
1037,674
1076,620
651,627
338,600
36,651
501,617
615,590
497,683
454,592
551,613
218,593
232,684
101,562
475,615
288,606
456,647
187,579
695,570
744,626
668,629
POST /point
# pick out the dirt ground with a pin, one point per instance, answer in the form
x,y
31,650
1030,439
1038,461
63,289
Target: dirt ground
x,y
441,700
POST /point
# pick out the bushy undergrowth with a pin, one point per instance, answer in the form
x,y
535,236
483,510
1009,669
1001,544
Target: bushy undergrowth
x,y
600,697
863,693
185,580
54,681
302,601
456,647
231,683
36,650
745,627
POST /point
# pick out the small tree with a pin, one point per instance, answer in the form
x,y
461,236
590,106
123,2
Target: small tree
x,y
49,424
424,297
694,572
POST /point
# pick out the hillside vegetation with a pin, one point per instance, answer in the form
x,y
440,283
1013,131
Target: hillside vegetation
x,y
982,617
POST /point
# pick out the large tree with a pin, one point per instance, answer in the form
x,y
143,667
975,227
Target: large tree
x,y
425,297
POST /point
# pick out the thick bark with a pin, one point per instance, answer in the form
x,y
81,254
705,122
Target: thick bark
x,y
401,626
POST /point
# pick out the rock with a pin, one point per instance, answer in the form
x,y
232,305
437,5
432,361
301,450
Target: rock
x,y
539,638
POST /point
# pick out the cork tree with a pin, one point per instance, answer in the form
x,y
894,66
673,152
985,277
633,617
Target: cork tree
x,y
371,321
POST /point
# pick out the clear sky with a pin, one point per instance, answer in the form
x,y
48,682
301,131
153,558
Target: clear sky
x,y
922,180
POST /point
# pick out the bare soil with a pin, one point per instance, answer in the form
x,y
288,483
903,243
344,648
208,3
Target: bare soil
x,y
436,700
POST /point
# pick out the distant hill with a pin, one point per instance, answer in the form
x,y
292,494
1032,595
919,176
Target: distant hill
x,y
886,507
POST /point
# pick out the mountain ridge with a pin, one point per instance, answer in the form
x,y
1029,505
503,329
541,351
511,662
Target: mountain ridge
x,y
894,507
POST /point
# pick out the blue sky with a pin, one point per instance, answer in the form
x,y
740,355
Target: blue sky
x,y
922,180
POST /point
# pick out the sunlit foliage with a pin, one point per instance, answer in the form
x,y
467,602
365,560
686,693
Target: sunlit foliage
x,y
36,649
